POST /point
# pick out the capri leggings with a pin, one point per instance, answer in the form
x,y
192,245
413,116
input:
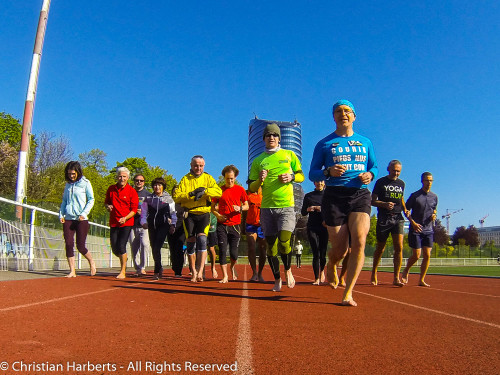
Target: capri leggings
x,y
228,235
81,228
118,237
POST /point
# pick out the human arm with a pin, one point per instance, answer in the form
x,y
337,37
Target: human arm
x,y
89,193
144,214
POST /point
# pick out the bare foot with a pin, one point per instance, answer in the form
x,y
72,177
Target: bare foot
x,y
121,275
254,277
235,274
143,272
277,286
199,279
423,283
260,278
194,277
214,273
93,270
342,282
322,276
290,281
223,281
404,278
374,279
349,302
316,282
331,276
71,274
397,282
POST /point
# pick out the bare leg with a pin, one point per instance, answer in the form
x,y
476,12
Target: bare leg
x,y
343,272
93,270
201,258
359,225
339,241
251,241
71,263
425,265
233,269
212,262
192,266
377,255
225,278
123,264
411,261
397,240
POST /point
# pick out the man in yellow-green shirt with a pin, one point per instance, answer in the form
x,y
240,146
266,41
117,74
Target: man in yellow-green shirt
x,y
275,170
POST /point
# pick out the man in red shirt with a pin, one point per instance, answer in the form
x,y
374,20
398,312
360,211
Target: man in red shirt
x,y
228,210
122,202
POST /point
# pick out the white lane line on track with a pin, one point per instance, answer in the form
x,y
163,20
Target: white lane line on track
x,y
458,291
423,308
244,343
5,309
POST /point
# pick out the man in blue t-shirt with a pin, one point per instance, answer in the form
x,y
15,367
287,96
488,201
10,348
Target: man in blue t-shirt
x,y
423,205
387,196
346,162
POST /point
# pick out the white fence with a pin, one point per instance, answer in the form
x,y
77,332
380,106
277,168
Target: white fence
x,y
27,247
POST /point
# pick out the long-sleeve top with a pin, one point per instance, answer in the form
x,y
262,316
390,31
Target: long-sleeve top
x,y
158,211
189,183
355,152
78,200
313,198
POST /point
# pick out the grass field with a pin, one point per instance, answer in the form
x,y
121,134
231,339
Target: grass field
x,y
448,270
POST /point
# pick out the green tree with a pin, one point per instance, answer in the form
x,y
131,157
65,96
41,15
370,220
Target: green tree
x,y
440,235
8,169
371,239
95,159
139,165
10,130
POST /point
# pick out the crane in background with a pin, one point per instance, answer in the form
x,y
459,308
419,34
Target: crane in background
x,y
481,221
449,212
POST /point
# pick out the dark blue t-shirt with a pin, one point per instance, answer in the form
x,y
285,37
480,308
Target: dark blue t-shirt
x,y
422,206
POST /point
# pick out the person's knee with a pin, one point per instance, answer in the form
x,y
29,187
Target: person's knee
x,y
190,247
201,243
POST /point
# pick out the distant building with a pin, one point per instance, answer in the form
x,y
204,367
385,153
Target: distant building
x,y
291,139
489,234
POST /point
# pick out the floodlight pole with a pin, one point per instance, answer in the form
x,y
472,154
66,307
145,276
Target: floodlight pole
x,y
29,105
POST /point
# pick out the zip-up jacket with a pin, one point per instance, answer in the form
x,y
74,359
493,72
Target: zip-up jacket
x,y
189,183
158,211
78,200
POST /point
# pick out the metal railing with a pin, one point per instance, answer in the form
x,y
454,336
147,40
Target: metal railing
x,y
30,247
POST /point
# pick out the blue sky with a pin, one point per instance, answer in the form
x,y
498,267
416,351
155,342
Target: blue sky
x,y
169,79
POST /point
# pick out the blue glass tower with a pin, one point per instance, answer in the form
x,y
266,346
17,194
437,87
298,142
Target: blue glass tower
x,y
291,139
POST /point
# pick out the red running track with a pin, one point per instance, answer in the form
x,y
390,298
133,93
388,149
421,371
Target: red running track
x,y
163,326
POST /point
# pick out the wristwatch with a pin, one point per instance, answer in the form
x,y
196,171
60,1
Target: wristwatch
x,y
326,172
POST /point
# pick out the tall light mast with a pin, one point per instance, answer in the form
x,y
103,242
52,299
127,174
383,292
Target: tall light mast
x,y
22,167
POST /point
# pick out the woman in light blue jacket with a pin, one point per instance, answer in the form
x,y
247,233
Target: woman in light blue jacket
x,y
78,200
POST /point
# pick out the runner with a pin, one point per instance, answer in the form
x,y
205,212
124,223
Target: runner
x,y
228,210
78,200
212,241
346,161
159,218
298,253
275,170
195,192
387,196
316,230
139,238
255,237
423,205
121,202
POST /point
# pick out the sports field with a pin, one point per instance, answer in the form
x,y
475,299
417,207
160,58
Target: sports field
x,y
139,326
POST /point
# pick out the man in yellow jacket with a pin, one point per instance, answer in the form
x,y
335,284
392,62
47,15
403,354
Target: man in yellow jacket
x,y
195,193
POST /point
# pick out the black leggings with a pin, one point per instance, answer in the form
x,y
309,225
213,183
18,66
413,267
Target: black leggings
x,y
318,239
156,239
176,245
228,235
118,236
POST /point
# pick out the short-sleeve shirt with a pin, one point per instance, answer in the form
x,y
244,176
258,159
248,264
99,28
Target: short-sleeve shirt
x,y
388,190
276,194
422,206
233,196
124,200
253,213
